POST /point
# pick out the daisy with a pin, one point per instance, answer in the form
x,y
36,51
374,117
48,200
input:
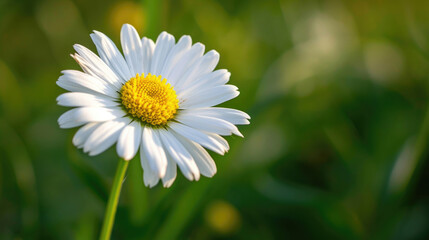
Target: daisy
x,y
157,97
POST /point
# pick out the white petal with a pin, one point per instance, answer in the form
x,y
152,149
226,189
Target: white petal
x,y
209,97
79,116
163,45
206,81
76,81
199,137
148,48
231,115
183,45
180,155
129,140
204,65
218,139
79,99
111,55
202,158
150,178
92,64
104,136
171,173
183,64
154,152
208,124
133,49
83,133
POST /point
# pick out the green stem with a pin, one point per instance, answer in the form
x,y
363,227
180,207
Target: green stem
x,y
112,204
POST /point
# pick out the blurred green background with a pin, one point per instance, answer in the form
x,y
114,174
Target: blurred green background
x,y
336,149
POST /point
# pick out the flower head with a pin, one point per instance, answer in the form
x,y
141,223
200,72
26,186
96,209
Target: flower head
x,y
157,97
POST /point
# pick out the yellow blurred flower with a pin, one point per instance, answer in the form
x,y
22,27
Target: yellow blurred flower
x,y
129,12
223,217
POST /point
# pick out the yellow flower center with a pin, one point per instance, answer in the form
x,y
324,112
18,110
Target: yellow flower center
x,y
150,99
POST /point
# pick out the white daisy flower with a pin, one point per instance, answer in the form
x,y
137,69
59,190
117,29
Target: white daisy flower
x,y
157,97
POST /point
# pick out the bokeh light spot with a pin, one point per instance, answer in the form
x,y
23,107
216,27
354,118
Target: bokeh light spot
x,y
126,12
223,217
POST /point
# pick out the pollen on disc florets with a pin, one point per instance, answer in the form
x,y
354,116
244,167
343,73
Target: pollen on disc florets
x,y
150,99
